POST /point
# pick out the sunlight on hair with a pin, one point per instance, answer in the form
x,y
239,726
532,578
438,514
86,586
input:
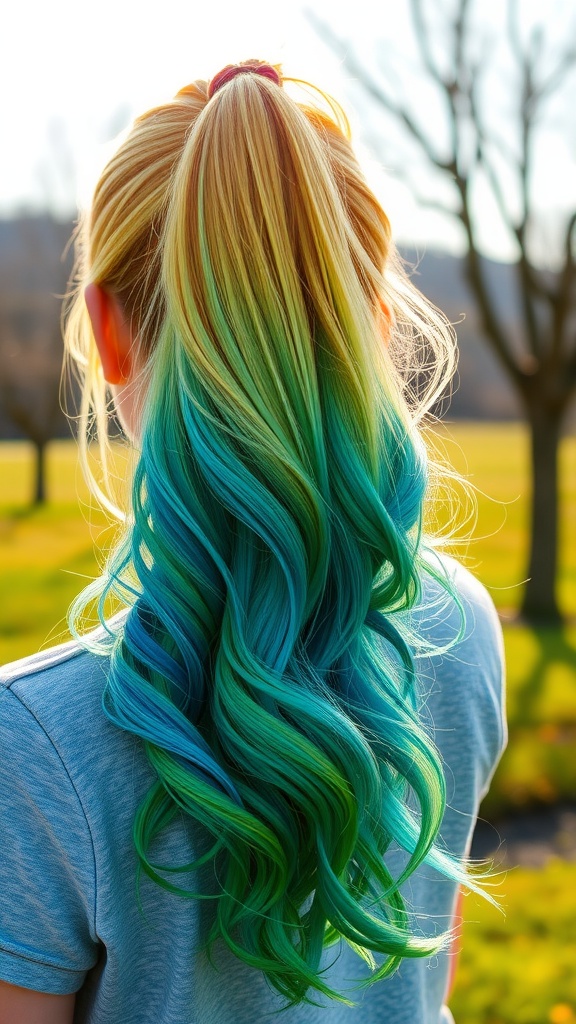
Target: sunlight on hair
x,y
273,544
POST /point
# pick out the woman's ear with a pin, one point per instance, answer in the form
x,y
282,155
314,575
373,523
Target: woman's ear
x,y
112,333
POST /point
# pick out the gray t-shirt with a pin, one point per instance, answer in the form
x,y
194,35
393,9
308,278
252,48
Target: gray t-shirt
x,y
70,783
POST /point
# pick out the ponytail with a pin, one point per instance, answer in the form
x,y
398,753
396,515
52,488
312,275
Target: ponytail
x,y
275,524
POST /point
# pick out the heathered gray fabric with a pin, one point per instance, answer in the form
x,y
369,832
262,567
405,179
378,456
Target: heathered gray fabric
x,y
70,784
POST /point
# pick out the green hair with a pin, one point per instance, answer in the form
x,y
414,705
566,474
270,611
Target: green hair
x,y
275,528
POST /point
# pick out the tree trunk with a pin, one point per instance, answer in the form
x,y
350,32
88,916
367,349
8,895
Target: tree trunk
x,y
39,473
540,603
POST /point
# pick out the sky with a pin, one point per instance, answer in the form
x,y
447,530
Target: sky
x,y
72,74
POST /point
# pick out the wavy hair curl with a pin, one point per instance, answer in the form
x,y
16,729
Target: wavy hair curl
x,y
275,523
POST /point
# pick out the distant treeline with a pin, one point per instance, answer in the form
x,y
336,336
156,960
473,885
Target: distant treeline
x,y
35,265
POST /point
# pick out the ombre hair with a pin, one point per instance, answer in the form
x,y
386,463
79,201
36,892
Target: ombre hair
x,y
274,534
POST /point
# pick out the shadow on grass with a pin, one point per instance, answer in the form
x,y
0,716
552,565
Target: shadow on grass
x,y
556,645
538,769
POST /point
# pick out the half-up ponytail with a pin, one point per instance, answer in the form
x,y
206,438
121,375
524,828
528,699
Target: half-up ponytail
x,y
275,524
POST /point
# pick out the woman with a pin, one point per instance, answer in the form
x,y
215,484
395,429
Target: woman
x,y
255,786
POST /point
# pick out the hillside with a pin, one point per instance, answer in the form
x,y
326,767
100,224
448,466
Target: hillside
x,y
33,271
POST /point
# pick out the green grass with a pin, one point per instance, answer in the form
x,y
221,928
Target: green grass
x,y
516,969
494,458
48,553
539,765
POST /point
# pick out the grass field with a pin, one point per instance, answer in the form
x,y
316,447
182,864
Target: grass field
x,y
516,969
47,554
517,964
494,458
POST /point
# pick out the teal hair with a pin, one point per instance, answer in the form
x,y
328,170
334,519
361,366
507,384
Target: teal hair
x,y
275,537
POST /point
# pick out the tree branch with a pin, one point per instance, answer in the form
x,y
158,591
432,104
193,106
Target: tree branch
x,y
460,90
490,319
564,293
456,89
566,63
377,92
423,42
427,202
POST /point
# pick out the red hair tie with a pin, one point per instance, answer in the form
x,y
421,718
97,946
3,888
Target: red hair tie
x,y
256,67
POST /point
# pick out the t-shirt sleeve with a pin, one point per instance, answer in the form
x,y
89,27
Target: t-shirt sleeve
x,y
480,658
47,874
466,681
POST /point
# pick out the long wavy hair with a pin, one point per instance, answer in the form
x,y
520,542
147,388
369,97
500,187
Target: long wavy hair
x,y
275,526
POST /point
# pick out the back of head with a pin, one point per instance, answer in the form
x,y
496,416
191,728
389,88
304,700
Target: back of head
x,y
276,516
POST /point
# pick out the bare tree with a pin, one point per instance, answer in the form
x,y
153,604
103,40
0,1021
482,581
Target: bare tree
x,y
541,365
33,276
35,267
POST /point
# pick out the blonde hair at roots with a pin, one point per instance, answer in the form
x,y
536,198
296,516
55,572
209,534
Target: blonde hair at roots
x,y
118,245
286,365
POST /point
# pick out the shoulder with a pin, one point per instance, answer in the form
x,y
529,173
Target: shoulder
x,y
50,659
57,692
34,773
460,662
49,679
451,593
59,677
47,868
456,616
51,709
